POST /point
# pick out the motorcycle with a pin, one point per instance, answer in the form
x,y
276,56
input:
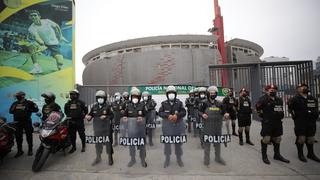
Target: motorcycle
x,y
6,137
53,136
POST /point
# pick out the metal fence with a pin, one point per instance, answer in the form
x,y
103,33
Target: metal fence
x,y
255,76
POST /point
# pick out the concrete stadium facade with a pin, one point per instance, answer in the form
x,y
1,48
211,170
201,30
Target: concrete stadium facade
x,y
172,59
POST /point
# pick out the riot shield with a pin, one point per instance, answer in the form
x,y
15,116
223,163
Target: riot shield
x,y
216,139
150,125
133,131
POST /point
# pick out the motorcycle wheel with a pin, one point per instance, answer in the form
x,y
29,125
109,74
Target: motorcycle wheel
x,y
40,158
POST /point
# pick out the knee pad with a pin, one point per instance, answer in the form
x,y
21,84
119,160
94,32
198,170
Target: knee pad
x,y
301,139
310,140
276,139
266,139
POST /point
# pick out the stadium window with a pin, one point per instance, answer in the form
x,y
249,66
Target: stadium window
x,y
175,46
203,46
185,46
128,50
137,50
121,51
195,46
245,50
165,46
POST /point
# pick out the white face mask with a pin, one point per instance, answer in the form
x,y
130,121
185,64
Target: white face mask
x,y
100,100
135,100
145,98
202,96
171,96
117,98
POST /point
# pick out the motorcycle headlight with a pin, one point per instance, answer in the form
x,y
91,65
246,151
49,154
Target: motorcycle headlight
x,y
45,133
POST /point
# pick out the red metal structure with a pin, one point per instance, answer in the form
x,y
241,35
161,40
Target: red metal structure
x,y
219,32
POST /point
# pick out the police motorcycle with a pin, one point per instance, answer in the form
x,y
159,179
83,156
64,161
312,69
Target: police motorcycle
x,y
6,137
53,136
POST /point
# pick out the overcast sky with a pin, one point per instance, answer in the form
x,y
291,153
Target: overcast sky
x,y
288,28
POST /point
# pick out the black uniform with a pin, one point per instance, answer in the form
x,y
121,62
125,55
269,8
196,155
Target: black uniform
x,y
230,104
190,104
48,108
22,115
212,126
272,115
135,129
170,128
117,108
150,106
244,111
76,111
304,112
102,127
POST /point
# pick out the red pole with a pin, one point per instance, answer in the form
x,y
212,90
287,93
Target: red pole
x,y
218,23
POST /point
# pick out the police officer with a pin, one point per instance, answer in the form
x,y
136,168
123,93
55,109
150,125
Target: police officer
x,y
172,113
199,101
50,105
117,108
270,108
230,103
102,116
22,110
304,111
213,112
136,110
125,96
76,110
150,106
196,111
190,103
244,116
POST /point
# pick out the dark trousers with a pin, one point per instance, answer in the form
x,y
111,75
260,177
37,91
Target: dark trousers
x,y
27,127
73,128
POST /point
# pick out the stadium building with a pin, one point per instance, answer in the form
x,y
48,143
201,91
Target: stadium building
x,y
172,59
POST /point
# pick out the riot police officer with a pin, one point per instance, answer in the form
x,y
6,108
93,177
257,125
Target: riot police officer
x,y
102,116
172,113
196,111
270,108
190,103
125,96
150,106
135,113
117,108
199,101
22,110
230,103
213,112
244,116
75,109
50,105
304,111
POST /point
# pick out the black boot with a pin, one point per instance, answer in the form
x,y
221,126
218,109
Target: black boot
x,y
72,150
167,161
19,153
83,148
110,160
311,154
143,162
30,152
218,157
277,155
132,161
97,160
240,138
234,129
179,161
264,153
300,152
248,138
